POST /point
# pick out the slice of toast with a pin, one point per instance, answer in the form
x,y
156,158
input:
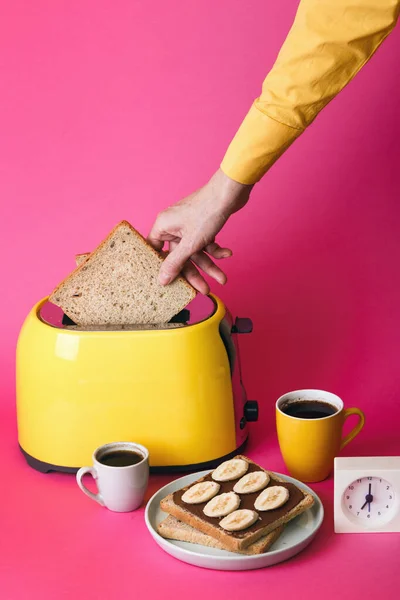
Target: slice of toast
x,y
192,514
80,258
173,529
117,284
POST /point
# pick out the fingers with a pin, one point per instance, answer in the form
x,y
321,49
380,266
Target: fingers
x,y
216,251
180,259
174,262
195,278
154,239
205,263
183,256
190,272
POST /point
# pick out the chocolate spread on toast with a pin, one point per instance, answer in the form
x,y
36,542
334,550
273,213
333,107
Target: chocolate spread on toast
x,y
247,501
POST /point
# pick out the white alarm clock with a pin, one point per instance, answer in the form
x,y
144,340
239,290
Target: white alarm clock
x,y
367,494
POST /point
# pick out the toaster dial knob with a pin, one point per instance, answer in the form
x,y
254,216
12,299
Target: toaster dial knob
x,y
251,410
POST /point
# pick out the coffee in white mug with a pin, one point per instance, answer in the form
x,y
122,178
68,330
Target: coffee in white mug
x,y
121,471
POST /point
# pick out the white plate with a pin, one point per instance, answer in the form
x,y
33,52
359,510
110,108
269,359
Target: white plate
x,y
296,535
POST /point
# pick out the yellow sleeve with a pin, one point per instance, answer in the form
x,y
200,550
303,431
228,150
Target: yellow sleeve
x,y
329,42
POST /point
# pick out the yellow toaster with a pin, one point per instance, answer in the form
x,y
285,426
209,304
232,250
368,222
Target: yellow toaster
x,y
177,390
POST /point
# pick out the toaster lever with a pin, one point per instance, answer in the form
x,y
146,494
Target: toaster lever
x,y
251,410
242,325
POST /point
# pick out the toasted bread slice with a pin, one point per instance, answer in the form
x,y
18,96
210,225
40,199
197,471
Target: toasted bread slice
x,y
299,501
80,258
117,284
173,529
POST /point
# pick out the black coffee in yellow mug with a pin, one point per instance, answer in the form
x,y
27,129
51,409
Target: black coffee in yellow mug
x,y
309,425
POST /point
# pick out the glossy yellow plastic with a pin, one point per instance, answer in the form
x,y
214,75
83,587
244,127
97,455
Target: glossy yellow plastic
x,y
169,390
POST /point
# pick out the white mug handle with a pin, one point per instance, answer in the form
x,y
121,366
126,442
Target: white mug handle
x,y
93,473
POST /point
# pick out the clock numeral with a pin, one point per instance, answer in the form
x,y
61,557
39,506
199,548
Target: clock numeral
x,y
369,478
388,487
379,513
387,505
368,516
351,487
380,481
347,497
358,513
390,497
350,506
358,480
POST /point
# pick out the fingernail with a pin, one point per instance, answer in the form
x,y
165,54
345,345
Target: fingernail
x,y
165,279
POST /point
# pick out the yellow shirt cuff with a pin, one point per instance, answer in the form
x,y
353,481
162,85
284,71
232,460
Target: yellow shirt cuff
x,y
258,143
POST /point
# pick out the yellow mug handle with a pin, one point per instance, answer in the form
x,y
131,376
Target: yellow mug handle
x,y
350,436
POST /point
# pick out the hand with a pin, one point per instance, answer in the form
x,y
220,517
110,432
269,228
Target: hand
x,y
190,226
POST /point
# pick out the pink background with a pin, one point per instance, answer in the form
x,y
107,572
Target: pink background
x,y
112,110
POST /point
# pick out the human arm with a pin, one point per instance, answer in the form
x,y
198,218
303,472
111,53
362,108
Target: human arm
x,y
328,44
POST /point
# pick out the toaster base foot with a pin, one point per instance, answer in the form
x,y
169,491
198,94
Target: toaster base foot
x,y
44,467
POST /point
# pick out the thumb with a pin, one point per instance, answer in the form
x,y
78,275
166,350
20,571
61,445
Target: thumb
x,y
174,263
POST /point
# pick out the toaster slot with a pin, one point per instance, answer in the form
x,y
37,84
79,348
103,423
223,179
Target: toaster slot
x,y
66,320
181,318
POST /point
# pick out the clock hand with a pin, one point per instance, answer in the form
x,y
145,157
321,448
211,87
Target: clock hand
x,y
368,499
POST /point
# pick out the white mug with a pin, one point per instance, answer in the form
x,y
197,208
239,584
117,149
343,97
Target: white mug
x,y
120,488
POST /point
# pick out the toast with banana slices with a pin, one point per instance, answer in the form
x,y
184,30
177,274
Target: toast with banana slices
x,y
173,529
237,504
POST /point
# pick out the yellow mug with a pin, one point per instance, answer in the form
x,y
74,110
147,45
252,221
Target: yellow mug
x,y
309,445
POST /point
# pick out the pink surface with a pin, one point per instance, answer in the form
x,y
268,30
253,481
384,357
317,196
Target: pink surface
x,y
112,110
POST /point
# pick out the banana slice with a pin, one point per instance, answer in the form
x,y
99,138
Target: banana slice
x,y
273,497
201,492
222,505
252,482
230,469
239,519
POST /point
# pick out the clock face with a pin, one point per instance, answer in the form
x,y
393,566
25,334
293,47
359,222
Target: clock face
x,y
369,500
